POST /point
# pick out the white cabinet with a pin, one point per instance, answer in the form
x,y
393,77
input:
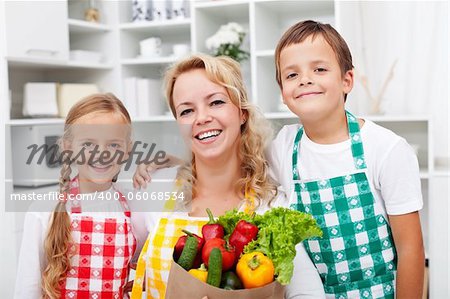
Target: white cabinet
x,y
58,27
37,29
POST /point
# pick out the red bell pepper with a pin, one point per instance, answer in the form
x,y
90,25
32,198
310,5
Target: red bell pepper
x,y
243,233
228,254
212,229
180,245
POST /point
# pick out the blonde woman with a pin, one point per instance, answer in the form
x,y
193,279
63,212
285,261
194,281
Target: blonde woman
x,y
227,169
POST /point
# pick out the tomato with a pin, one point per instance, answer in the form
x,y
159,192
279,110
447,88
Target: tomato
x,y
228,253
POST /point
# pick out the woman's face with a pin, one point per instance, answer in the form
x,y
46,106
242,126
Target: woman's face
x,y
209,121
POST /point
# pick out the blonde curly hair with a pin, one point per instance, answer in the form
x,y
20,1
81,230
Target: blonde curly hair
x,y
59,237
256,132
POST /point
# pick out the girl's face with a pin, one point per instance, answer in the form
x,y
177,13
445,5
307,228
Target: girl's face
x,y
101,141
209,121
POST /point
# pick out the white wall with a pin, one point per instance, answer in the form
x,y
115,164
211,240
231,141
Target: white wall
x,y
413,33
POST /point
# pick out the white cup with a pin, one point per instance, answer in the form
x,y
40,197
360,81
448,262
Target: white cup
x,y
151,47
180,50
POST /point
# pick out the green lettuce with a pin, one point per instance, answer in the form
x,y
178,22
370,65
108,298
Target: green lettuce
x,y
280,229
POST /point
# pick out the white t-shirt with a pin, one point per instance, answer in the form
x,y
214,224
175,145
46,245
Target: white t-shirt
x,y
306,282
392,167
32,260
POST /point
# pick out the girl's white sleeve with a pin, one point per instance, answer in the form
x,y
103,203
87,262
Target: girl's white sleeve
x,y
32,261
305,282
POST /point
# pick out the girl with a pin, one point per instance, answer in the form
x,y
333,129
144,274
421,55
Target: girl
x,y
83,248
228,170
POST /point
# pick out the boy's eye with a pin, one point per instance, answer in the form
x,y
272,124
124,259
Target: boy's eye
x,y
291,75
185,112
320,69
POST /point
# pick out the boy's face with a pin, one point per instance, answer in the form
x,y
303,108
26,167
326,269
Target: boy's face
x,y
312,84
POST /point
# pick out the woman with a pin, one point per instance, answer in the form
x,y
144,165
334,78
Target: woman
x,y
228,170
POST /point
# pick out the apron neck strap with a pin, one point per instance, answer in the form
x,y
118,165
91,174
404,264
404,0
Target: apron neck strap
x,y
356,145
75,206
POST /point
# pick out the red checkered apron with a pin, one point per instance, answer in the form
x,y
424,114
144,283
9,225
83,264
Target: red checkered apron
x,y
100,254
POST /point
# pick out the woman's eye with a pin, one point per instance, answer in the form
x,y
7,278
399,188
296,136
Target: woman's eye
x,y
217,102
185,112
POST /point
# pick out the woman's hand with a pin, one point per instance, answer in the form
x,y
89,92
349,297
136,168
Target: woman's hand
x,y
142,176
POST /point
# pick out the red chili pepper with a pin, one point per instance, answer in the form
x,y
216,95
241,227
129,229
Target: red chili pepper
x,y
180,245
228,254
212,229
243,233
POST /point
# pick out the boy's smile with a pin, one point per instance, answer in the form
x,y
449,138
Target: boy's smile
x,y
312,84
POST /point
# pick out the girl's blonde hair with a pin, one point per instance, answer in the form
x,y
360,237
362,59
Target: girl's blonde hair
x,y
256,131
58,241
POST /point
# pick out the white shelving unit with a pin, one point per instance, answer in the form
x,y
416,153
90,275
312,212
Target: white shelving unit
x,y
117,38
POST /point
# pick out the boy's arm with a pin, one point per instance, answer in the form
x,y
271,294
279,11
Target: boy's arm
x,y
408,241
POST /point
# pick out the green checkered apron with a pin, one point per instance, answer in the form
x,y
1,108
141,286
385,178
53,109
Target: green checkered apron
x,y
356,257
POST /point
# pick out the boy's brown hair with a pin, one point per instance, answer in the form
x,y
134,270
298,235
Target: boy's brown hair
x,y
299,32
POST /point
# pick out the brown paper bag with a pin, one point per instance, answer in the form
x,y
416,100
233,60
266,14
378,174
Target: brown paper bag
x,y
182,285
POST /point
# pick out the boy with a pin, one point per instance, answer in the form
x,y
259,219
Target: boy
x,y
359,180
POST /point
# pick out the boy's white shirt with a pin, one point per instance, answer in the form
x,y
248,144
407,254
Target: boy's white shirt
x,y
392,167
32,260
306,282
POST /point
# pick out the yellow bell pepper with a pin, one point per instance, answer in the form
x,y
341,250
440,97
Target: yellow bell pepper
x,y
255,270
200,273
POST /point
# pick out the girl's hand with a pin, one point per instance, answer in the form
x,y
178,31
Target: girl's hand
x,y
129,285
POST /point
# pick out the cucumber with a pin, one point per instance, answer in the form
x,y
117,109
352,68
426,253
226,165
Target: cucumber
x,y
214,268
188,254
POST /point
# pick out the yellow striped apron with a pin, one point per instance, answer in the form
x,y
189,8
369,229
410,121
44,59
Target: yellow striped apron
x,y
156,256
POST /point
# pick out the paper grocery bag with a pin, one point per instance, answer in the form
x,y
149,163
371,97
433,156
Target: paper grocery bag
x,y
182,285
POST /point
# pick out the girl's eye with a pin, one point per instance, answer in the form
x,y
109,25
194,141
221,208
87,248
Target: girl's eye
x,y
217,102
87,144
115,145
185,112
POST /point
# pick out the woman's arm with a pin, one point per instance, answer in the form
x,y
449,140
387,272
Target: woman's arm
x,y
408,241
305,282
142,174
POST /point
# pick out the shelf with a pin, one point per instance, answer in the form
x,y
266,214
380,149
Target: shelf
x,y
40,63
156,118
80,26
395,118
289,6
146,26
280,115
143,61
35,121
265,53
220,3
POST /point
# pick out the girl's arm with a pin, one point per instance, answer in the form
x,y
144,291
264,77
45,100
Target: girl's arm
x,y
31,259
407,235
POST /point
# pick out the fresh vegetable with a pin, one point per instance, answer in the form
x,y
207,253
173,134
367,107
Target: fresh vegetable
x,y
243,233
231,218
186,260
181,243
200,273
280,229
212,229
255,270
228,253
230,281
215,268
